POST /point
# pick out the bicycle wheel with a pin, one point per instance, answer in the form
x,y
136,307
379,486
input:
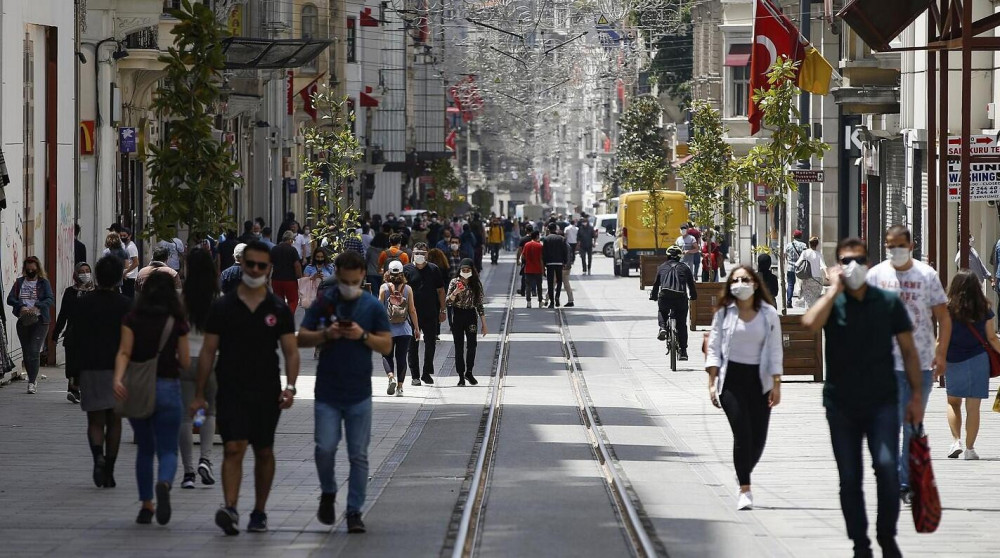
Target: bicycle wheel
x,y
672,348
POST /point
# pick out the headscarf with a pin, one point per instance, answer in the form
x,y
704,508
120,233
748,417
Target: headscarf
x,y
84,287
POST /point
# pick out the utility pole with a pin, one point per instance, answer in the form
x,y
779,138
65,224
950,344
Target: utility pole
x,y
805,7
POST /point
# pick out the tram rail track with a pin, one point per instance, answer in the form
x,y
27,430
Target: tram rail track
x,y
468,520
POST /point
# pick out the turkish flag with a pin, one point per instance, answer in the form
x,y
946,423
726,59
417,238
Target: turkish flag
x,y
449,141
307,99
774,35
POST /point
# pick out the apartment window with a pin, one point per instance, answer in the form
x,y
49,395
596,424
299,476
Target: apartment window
x,y
352,40
738,67
310,30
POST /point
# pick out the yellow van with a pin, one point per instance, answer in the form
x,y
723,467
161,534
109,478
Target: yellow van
x,y
633,239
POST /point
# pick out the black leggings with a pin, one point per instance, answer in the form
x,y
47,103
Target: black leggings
x,y
587,257
554,275
748,413
400,344
104,433
464,327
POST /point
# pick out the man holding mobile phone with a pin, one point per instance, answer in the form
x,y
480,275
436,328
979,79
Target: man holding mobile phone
x,y
348,324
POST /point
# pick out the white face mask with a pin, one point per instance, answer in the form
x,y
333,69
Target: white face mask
x,y
454,247
465,274
419,259
84,277
742,291
855,275
254,282
349,292
899,256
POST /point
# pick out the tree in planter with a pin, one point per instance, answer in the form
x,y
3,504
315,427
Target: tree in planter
x,y
482,201
655,212
446,188
328,164
193,175
711,172
768,163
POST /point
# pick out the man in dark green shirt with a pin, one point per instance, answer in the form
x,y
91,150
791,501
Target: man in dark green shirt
x,y
860,394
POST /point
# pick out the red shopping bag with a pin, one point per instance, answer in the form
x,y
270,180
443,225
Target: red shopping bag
x,y
926,505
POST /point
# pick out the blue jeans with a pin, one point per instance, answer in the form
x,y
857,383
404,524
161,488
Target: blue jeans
x,y
789,288
905,393
158,434
880,425
357,419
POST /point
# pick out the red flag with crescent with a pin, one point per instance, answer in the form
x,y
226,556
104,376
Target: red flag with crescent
x,y
774,35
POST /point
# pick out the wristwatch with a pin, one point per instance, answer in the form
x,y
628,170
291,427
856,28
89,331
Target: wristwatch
x,y
364,337
291,388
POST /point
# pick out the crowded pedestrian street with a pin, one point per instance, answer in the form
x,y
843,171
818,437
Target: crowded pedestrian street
x,y
547,494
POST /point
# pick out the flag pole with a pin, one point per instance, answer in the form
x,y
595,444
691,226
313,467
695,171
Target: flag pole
x,y
310,84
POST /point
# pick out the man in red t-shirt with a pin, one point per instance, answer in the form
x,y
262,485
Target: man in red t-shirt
x,y
533,268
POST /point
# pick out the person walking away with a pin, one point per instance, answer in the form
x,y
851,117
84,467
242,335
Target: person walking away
x,y
201,289
96,334
811,289
246,327
265,237
975,262
175,253
393,253
466,297
585,237
30,299
673,284
566,270
156,328
131,264
113,246
793,251
427,282
572,234
373,275
711,257
860,393
968,364
397,299
158,265
438,258
79,248
479,232
511,234
520,261
495,239
534,267
744,365
689,248
83,284
287,269
347,324
767,276
232,276
919,287
468,241
555,252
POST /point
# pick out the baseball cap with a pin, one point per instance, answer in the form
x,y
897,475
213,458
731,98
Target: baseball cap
x,y
115,227
396,266
796,232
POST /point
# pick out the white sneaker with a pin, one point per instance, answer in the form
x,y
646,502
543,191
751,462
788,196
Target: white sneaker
x,y
956,449
399,390
744,501
971,455
31,388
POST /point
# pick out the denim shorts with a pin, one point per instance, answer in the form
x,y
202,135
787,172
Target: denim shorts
x,y
969,378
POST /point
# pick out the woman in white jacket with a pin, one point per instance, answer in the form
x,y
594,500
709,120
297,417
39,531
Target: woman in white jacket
x,y
744,364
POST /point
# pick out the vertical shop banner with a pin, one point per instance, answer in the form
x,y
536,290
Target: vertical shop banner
x,y
126,140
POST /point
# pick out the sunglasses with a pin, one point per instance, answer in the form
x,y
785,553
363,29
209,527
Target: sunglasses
x,y
260,265
742,280
860,260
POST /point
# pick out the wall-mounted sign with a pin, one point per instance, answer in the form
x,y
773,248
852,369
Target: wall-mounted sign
x,y
87,137
126,140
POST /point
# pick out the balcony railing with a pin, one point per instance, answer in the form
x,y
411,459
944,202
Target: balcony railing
x,y
145,38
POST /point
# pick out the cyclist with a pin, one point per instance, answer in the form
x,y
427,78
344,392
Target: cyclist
x,y
674,281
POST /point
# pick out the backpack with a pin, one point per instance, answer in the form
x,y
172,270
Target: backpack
x,y
395,306
803,269
672,281
390,257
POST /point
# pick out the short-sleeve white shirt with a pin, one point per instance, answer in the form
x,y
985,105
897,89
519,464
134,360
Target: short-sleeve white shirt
x,y
920,289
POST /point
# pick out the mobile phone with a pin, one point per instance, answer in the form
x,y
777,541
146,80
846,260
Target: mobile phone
x,y
344,323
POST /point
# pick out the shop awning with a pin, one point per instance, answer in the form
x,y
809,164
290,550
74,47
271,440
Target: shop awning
x,y
739,55
244,53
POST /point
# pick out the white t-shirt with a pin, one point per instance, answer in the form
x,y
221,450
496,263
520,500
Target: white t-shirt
x,y
748,340
301,244
920,289
132,252
571,232
686,242
816,263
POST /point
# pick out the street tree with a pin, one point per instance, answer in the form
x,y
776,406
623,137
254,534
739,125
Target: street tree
x,y
640,141
328,166
192,174
446,188
768,163
710,174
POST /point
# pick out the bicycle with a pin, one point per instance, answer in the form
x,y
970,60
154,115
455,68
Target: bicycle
x,y
673,346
